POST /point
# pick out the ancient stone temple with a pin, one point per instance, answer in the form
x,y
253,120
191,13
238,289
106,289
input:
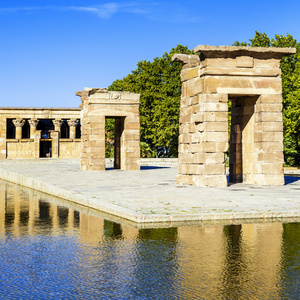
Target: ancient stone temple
x,y
39,132
245,84
97,105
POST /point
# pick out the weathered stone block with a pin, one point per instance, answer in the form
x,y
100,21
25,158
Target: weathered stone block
x,y
193,148
183,148
198,86
216,126
184,128
215,181
184,179
268,146
214,169
215,146
198,180
192,128
184,138
268,107
268,117
215,116
269,126
244,62
196,137
221,62
195,100
270,99
271,180
197,117
221,136
184,75
266,63
198,158
215,158
193,72
184,118
184,102
185,157
215,107
268,136
134,126
268,156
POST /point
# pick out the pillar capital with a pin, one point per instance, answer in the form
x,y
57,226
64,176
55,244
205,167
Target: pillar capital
x,y
57,122
18,122
72,122
33,122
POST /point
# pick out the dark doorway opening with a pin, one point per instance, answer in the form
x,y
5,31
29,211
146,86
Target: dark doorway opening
x,y
45,148
78,130
10,129
26,130
65,130
241,145
45,125
118,125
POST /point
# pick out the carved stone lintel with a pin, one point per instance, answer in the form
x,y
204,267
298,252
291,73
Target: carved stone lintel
x,y
18,122
115,96
72,122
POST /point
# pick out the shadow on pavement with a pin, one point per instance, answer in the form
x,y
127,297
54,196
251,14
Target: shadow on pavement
x,y
290,179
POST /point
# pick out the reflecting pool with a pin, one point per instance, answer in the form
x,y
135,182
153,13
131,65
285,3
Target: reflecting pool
x,y
52,249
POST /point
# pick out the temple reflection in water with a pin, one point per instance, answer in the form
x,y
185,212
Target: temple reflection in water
x,y
211,261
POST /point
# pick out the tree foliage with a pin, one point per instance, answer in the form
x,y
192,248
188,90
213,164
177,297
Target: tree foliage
x,y
159,84
290,67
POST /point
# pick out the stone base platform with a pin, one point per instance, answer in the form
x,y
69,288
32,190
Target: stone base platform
x,y
151,195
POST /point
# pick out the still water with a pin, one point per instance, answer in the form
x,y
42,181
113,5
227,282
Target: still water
x,y
51,249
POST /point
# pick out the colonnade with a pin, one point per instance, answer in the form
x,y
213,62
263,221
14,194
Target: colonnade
x,y
19,123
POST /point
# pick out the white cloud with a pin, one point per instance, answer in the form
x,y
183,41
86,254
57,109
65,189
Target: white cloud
x,y
158,12
104,11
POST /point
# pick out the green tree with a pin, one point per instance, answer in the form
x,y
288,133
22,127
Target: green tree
x,y
290,67
159,84
109,137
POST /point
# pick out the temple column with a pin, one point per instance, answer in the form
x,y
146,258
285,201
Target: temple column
x,y
33,123
36,135
55,143
18,124
72,123
57,125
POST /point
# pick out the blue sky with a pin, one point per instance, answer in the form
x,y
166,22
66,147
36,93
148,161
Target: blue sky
x,y
52,48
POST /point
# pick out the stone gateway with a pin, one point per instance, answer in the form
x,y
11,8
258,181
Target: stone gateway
x,y
250,79
98,104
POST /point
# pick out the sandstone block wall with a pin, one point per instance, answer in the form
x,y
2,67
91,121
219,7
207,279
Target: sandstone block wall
x,y
98,104
250,77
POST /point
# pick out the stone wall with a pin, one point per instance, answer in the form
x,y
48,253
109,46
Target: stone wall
x,y
97,105
251,78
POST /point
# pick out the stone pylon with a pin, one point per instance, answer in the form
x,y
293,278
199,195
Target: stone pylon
x,y
249,78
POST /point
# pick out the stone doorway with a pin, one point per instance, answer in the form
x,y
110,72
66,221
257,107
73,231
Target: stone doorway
x,y
45,148
241,142
118,140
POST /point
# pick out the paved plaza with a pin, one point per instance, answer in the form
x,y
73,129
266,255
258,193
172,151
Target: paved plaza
x,y
151,195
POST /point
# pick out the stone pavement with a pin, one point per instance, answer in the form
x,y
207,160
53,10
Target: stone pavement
x,y
151,195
